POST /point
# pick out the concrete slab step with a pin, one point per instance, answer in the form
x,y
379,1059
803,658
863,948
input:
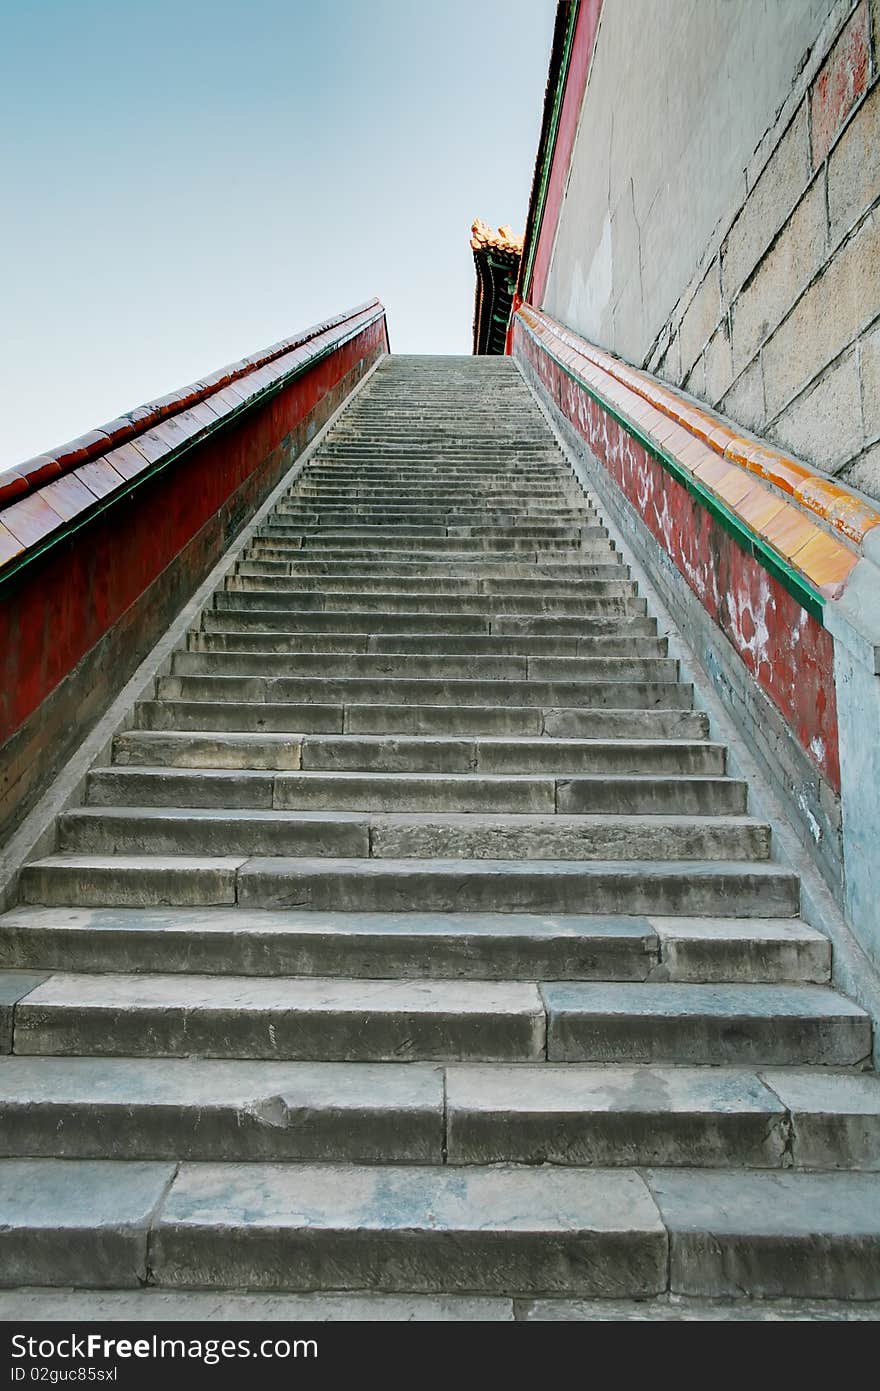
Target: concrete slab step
x,y
694,888
212,831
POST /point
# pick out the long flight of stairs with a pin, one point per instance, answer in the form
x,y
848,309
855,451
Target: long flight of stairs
x,y
416,939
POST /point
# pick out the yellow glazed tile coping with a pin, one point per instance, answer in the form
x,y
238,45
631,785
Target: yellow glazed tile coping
x,y
729,464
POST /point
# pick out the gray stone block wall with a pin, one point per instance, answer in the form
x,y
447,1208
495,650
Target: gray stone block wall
x,y
750,273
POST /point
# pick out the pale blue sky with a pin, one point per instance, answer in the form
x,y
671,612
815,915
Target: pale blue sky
x,y
186,181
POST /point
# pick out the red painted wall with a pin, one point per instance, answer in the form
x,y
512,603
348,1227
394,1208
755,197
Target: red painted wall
x,y
63,603
586,25
789,654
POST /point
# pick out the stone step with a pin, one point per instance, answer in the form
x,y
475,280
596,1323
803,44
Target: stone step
x,y
455,945
121,1108
222,830
420,754
323,509
313,1019
579,571
306,1019
715,1024
415,622
477,946
409,719
454,562
491,606
713,1117
440,541
749,889
413,945
471,666
149,1305
441,1228
415,791
571,1115
308,1227
635,648
389,690
615,585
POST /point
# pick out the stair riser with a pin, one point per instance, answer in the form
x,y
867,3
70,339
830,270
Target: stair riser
x,y
355,792
431,720
553,839
354,690
430,755
422,889
436,644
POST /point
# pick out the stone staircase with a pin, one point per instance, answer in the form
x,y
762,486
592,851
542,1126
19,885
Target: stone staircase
x,y
416,940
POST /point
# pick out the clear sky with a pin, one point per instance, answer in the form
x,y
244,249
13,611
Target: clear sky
x,y
185,181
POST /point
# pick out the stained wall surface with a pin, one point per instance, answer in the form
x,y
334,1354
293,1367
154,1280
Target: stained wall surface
x,y
719,223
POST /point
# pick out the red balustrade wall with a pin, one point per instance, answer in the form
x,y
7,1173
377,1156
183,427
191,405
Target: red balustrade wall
x,y
76,620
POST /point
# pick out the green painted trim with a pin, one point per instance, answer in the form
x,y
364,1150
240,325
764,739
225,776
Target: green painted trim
x,y
748,540
558,97
102,505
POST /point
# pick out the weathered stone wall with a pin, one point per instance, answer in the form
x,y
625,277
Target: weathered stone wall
x,y
720,223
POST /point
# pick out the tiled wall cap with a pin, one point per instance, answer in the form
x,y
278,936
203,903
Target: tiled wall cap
x,y
848,514
43,495
27,478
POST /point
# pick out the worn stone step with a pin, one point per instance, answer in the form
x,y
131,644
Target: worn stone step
x,y
78,1223
420,1229
391,690
719,1023
492,606
145,1108
573,1115
581,565
770,1234
409,719
419,754
313,1019
416,623
439,666
213,830
585,585
490,946
437,644
711,1117
708,888
230,941
494,573
395,791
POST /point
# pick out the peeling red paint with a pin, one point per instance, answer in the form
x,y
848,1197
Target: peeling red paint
x,y
789,654
842,80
